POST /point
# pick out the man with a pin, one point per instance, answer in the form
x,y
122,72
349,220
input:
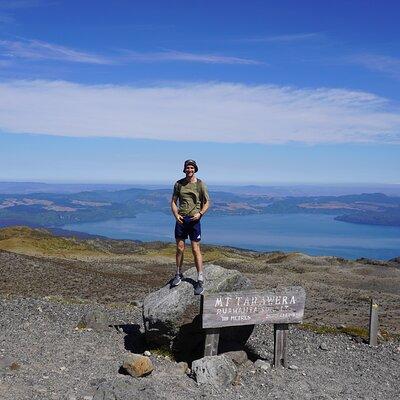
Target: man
x,y
194,201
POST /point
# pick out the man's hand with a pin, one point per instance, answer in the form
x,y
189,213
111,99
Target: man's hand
x,y
179,219
196,217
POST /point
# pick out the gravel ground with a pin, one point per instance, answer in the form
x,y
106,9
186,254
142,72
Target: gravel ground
x,y
53,360
330,284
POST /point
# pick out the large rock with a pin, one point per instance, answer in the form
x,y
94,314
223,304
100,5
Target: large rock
x,y
216,371
172,315
137,365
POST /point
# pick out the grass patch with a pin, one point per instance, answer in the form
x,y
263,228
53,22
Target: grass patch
x,y
163,351
319,329
354,331
30,241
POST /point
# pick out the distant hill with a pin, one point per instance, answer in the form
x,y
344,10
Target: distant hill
x,y
58,209
275,190
390,217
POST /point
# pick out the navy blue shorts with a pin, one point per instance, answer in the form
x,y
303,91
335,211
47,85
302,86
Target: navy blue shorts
x,y
188,228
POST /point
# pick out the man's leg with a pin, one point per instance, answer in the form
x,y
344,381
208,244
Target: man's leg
x,y
180,249
198,259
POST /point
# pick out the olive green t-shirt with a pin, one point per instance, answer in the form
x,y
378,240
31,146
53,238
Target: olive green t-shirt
x,y
191,196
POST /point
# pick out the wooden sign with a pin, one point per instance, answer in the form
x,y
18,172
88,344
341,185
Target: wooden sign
x,y
277,306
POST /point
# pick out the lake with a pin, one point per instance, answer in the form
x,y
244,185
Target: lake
x,y
314,234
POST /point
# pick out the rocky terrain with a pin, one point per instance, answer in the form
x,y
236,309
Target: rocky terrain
x,y
47,284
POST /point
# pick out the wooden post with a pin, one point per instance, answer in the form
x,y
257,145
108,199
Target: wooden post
x,y
280,344
212,340
373,323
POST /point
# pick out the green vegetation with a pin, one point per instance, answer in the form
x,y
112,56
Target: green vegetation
x,y
163,351
41,242
354,331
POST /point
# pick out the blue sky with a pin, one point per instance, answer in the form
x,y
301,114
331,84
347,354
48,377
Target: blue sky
x,y
256,91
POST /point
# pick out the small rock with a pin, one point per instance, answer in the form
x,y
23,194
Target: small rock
x,y
238,357
180,368
93,320
293,367
96,382
324,346
138,365
137,303
147,353
262,365
216,371
9,363
15,366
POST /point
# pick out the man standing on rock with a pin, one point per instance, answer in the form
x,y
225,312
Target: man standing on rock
x,y
194,201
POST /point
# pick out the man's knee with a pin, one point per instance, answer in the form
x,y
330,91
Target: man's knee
x,y
196,248
180,247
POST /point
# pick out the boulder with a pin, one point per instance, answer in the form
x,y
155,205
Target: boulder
x,y
216,371
172,315
137,365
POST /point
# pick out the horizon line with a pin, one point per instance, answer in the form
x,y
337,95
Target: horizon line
x,y
247,183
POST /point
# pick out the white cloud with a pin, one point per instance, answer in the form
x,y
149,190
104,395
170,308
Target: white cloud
x,y
218,112
172,55
38,50
388,65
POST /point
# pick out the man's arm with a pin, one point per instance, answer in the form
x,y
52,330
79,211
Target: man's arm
x,y
205,207
174,209
203,210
